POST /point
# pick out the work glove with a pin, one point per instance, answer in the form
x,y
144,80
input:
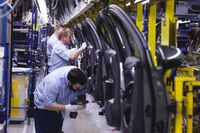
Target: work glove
x,y
84,45
74,108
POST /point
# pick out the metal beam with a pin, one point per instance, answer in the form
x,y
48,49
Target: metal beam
x,y
139,18
152,31
168,32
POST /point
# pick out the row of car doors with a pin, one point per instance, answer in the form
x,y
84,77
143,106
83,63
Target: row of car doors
x,y
121,73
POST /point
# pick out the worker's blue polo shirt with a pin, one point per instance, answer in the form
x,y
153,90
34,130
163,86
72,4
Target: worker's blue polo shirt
x,y
59,57
54,89
53,40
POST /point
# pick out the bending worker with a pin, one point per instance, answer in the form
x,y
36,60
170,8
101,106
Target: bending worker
x,y
61,55
53,40
53,96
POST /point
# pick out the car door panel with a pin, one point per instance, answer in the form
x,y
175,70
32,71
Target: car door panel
x,y
95,59
140,110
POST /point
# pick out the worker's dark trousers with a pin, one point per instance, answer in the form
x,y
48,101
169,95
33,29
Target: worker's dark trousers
x,y
48,121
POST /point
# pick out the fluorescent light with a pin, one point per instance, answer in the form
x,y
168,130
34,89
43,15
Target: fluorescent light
x,y
146,1
137,1
43,8
142,1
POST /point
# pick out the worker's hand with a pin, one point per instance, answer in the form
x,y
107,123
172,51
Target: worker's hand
x,y
74,108
84,45
72,49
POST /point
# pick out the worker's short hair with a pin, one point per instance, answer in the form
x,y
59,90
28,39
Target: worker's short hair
x,y
76,75
64,33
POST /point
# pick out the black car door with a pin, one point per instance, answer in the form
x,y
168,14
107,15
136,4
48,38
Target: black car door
x,y
112,67
79,37
78,34
144,99
89,54
95,58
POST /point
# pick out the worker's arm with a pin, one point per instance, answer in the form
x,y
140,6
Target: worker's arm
x,y
68,107
67,54
75,53
55,107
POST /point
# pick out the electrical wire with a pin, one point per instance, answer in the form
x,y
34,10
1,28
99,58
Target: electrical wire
x,y
4,3
54,7
9,5
36,2
189,7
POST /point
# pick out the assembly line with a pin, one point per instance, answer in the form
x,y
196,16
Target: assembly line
x,y
100,66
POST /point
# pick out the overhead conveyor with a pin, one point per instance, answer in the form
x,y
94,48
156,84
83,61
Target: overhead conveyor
x,y
60,12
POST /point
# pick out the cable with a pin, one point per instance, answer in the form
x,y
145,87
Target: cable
x,y
54,7
11,7
189,7
37,4
4,3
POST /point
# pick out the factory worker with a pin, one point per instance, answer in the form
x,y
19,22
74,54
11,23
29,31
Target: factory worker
x,y
52,41
53,95
61,55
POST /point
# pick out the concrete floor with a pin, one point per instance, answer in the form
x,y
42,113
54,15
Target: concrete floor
x,y
88,121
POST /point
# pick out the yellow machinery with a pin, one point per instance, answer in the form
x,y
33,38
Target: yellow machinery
x,y
181,89
180,80
183,94
139,19
19,97
152,31
168,33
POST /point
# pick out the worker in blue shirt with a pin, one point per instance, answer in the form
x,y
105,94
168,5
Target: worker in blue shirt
x,y
52,41
53,95
61,55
